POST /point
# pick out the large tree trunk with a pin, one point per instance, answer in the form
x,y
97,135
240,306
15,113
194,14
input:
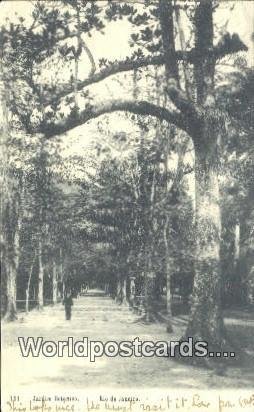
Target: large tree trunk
x,y
206,321
9,234
13,226
246,255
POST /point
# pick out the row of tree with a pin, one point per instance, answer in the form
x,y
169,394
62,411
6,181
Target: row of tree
x,y
146,215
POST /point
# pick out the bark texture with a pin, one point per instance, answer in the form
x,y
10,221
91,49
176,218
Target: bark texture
x,y
206,321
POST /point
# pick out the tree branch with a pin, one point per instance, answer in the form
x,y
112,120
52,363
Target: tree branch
x,y
129,64
132,106
90,56
165,9
178,97
114,68
204,66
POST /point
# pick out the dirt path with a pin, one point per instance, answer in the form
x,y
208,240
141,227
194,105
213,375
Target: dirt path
x,y
99,318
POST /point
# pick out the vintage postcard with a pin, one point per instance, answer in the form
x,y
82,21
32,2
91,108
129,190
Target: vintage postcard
x,y
127,205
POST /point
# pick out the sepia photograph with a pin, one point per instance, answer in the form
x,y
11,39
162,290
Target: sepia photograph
x,y
127,205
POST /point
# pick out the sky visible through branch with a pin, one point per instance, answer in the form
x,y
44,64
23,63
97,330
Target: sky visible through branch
x,y
114,45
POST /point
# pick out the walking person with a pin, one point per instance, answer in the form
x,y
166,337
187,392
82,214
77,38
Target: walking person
x,y
68,302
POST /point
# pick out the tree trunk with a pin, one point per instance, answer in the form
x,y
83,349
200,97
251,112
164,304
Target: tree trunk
x,y
237,244
28,286
186,72
246,255
121,290
54,283
60,284
40,277
250,287
9,234
149,286
168,280
60,274
118,297
206,321
11,311
124,291
149,292
168,299
12,261
229,257
132,290
27,298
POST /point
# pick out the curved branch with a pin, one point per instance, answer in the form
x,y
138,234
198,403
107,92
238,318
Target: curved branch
x,y
132,106
128,65
114,68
